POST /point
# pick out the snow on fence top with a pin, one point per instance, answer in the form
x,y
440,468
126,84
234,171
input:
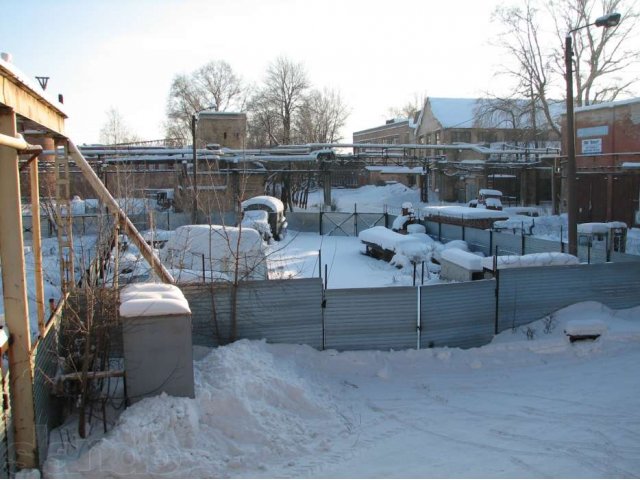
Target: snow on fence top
x,y
152,299
467,260
462,212
545,259
272,202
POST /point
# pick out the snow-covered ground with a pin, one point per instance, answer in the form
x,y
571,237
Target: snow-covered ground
x,y
516,408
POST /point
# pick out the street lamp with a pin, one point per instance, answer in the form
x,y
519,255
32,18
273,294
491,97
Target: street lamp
x,y
194,121
606,21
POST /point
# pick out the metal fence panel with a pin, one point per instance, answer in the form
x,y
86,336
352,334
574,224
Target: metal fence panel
x,y
45,367
371,319
370,220
528,294
457,315
507,243
540,245
450,232
478,240
624,257
280,311
338,224
303,221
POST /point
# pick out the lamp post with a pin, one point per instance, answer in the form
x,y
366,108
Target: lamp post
x,y
194,121
606,21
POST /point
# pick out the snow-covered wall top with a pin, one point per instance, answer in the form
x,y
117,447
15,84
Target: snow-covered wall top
x,y
462,212
598,106
152,300
272,202
463,259
599,228
545,259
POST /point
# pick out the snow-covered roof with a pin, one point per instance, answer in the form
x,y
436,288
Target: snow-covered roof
x,y
273,203
152,299
487,192
454,112
598,106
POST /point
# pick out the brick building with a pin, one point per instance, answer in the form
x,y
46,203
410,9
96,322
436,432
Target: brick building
x,y
227,129
607,161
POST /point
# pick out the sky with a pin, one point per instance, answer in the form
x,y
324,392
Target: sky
x,y
123,54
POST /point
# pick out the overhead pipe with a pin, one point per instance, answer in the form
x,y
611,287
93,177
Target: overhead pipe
x,y
129,228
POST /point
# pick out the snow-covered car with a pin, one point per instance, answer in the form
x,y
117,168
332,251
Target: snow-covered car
x,y
275,210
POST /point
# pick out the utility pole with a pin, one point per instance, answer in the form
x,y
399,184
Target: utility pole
x,y
194,214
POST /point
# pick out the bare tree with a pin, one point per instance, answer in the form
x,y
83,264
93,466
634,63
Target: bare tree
x,y
264,122
285,85
538,67
321,116
220,86
411,108
600,54
533,64
214,85
115,130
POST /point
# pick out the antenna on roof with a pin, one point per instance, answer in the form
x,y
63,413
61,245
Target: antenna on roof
x,y
43,82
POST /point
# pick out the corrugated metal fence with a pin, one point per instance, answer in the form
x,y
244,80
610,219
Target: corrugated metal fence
x,y
456,315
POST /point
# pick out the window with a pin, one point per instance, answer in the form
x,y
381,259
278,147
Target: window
x,y
225,135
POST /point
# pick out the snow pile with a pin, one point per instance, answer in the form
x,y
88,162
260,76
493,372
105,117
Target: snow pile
x,y
529,404
458,244
545,259
463,259
408,248
152,299
516,223
253,414
585,326
416,228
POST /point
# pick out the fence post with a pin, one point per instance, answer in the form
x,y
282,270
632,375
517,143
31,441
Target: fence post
x,y
496,274
386,217
355,219
561,242
463,229
439,228
419,320
320,224
522,242
490,241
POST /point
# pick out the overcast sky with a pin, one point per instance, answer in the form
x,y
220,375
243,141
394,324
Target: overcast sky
x,y
124,54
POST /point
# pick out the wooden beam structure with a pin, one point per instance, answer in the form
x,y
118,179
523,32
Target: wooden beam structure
x,y
15,298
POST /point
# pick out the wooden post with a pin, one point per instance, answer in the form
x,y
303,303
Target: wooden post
x,y
36,234
15,299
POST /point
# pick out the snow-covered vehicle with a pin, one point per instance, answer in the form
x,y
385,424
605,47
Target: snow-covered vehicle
x,y
212,251
489,199
275,210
